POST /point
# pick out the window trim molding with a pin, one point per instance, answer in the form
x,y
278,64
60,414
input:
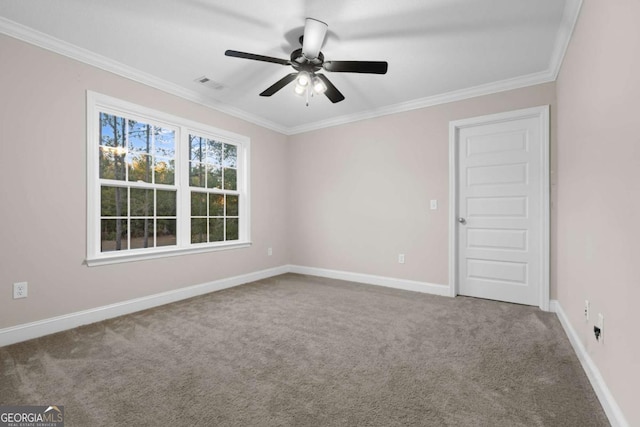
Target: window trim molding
x,y
96,103
161,253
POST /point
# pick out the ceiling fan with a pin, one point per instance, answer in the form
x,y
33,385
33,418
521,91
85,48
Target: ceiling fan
x,y
308,60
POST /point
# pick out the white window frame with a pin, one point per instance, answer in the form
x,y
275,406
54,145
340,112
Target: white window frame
x,y
97,103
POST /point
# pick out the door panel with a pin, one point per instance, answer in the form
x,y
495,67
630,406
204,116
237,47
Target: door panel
x,y
497,175
497,143
497,239
497,207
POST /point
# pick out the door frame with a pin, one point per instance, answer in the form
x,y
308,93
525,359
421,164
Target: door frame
x,y
542,113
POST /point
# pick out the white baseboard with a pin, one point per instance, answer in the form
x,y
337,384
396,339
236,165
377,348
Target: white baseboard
x,y
389,282
611,408
52,325
27,331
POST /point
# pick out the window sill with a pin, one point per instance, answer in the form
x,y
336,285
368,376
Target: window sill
x,y
116,258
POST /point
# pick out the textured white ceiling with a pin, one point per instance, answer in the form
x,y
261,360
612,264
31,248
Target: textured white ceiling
x,y
436,49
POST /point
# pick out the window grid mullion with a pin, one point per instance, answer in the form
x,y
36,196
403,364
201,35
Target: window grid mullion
x,y
152,153
125,143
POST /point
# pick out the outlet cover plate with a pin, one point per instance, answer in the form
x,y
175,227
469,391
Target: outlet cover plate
x,y
600,325
20,290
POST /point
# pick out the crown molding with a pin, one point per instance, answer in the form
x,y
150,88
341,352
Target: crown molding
x,y
430,101
45,41
565,32
568,23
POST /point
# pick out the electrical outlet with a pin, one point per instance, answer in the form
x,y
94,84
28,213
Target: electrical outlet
x,y
599,328
20,290
587,308
269,251
401,258
433,204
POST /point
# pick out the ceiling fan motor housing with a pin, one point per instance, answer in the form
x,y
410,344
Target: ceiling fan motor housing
x,y
301,63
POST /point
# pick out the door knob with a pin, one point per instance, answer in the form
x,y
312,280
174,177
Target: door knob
x,y
462,220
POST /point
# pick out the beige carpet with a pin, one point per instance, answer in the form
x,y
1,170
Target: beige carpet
x,y
303,351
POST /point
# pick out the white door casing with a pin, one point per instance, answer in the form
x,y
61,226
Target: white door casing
x,y
499,184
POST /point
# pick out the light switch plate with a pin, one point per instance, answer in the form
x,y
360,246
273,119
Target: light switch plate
x,y
434,205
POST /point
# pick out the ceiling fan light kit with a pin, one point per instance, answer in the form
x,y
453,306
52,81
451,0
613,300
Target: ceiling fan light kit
x,y
309,87
308,60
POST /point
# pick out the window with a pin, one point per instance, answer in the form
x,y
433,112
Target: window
x,y
214,190
161,185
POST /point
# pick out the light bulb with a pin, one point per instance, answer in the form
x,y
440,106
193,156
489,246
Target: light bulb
x,y
300,90
319,86
303,78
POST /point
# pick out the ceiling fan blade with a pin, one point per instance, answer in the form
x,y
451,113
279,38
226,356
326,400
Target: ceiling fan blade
x,y
332,92
370,67
255,57
279,84
314,33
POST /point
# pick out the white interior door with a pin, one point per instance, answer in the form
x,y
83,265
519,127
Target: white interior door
x,y
501,227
